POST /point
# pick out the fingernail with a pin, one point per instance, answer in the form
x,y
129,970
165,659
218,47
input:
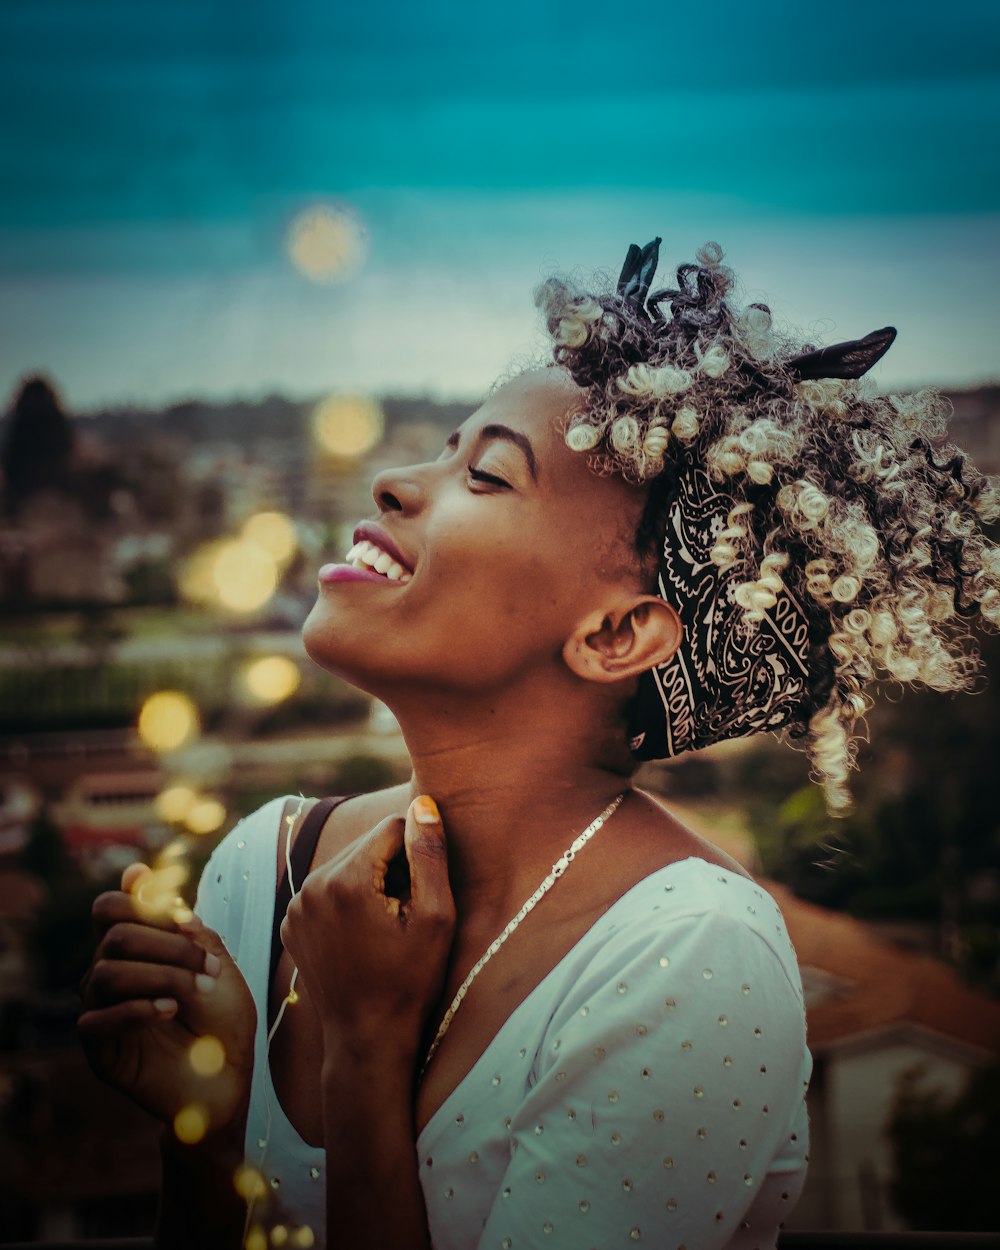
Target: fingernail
x,y
213,964
165,1005
189,925
205,984
425,810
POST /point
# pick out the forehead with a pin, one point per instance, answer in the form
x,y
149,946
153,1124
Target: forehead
x,y
538,405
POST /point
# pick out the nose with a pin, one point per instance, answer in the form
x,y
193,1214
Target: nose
x,y
398,490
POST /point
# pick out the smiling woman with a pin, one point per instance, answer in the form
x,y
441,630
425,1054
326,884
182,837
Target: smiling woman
x,y
686,529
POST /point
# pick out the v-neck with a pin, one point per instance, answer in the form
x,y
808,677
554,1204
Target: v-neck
x,y
431,1128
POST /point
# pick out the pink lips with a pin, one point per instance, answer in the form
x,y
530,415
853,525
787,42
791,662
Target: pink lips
x,y
348,573
366,531
369,531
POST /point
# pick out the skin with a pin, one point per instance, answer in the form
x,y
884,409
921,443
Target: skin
x,y
507,659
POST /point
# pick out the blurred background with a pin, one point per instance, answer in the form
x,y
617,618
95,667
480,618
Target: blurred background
x,y
251,255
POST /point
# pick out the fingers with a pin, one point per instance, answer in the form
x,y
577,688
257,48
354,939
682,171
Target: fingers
x,y
109,1023
428,858
116,906
129,940
116,981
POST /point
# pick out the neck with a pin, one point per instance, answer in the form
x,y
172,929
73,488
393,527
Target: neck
x,y
515,788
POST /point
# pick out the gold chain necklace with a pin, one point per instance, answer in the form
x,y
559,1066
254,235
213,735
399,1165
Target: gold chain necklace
x,y
556,871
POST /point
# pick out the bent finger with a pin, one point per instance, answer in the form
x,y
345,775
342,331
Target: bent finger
x,y
131,940
114,981
116,906
106,1023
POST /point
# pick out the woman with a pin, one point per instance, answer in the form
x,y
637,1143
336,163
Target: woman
x,y
687,529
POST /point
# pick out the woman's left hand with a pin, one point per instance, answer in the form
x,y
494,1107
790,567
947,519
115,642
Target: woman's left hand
x,y
374,965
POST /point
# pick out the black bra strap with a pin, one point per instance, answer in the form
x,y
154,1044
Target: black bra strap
x,y
303,849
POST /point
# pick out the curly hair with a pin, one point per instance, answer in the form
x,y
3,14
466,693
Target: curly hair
x,y
853,500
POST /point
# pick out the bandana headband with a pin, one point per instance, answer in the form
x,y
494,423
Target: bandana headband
x,y
726,680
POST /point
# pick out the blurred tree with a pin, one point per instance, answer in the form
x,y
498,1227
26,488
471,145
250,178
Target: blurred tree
x,y
44,855
921,842
945,1152
38,447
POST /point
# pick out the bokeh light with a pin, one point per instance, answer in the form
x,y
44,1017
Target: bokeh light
x,y
274,532
207,1055
348,426
279,1235
256,1239
155,892
191,1123
245,575
205,816
304,1237
328,243
167,720
174,803
249,1183
271,678
233,573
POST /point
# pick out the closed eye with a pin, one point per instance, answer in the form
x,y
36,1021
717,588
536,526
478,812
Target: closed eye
x,y
479,476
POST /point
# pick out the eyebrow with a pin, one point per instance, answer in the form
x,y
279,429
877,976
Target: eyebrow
x,y
508,435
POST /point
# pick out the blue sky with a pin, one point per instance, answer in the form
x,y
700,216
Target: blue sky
x,y
153,155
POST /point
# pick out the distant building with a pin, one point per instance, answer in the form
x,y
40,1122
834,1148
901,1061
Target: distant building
x,y
874,1011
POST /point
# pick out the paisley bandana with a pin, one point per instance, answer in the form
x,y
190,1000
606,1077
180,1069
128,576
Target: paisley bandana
x,y
728,679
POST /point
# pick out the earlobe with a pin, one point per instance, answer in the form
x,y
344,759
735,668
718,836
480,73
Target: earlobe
x,y
628,640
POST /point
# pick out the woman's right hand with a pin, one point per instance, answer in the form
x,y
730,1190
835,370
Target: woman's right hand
x,y
153,988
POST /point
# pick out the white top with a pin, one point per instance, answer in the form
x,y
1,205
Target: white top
x,y
650,1089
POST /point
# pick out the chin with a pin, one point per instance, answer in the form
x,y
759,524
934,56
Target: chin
x,y
341,651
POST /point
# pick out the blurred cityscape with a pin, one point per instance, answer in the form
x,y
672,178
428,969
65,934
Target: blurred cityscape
x,y
155,571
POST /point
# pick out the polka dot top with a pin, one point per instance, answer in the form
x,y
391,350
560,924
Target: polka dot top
x,y
650,1089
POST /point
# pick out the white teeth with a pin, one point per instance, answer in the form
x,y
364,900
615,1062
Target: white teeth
x,y
365,555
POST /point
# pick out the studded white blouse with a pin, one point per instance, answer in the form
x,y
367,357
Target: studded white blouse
x,y
651,1089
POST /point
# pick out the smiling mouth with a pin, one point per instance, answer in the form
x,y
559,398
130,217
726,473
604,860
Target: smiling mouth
x,y
366,555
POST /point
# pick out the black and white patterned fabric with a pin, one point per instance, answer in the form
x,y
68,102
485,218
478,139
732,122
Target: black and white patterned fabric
x,y
727,679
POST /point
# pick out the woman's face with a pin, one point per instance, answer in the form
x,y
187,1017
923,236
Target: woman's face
x,y
511,541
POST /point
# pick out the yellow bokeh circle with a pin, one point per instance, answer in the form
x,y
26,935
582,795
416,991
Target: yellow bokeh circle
x,y
155,892
174,803
191,1123
327,243
271,678
167,720
348,426
274,532
207,1056
249,1183
256,1239
205,816
244,574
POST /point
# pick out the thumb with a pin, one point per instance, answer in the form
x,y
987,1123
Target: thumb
x,y
427,856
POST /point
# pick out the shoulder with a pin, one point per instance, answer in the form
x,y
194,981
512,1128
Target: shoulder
x,y
692,938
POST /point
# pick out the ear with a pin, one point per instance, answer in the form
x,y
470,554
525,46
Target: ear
x,y
640,633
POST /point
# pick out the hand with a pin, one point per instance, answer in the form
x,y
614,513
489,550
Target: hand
x,y
153,988
374,965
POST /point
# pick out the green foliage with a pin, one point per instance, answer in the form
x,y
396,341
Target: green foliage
x,y
362,773
945,1152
